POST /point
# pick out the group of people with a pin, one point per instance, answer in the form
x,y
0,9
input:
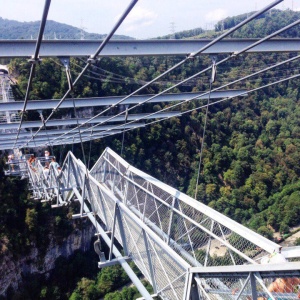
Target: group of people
x,y
49,162
48,165
10,161
32,162
14,162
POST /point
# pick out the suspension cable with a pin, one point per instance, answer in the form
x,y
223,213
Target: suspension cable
x,y
34,61
215,89
213,103
260,71
221,100
91,59
212,80
191,55
45,128
193,76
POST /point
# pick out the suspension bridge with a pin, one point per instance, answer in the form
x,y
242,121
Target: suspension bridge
x,y
185,249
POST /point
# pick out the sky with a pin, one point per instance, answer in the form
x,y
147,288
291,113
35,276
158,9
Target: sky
x,y
148,19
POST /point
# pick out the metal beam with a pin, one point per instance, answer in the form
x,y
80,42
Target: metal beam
x,y
43,141
69,122
290,252
57,132
46,139
55,48
105,101
244,269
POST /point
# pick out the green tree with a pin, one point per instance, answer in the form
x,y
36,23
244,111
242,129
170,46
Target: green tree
x,y
31,218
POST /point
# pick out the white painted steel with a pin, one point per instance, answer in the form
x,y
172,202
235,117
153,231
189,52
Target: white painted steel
x,y
77,48
167,234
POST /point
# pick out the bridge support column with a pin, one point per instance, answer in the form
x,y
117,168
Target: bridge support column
x,y
121,229
253,286
150,262
120,258
191,288
113,232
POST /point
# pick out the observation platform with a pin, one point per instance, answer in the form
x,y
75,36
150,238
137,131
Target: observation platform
x,y
185,249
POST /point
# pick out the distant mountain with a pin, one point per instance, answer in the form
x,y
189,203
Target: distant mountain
x,y
10,29
263,25
183,34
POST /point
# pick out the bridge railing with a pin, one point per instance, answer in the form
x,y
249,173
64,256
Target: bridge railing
x,y
169,236
196,232
166,274
277,281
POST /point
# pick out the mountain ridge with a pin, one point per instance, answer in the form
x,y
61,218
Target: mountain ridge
x,y
54,30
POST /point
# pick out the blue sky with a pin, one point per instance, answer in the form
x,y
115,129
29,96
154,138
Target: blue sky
x,y
148,19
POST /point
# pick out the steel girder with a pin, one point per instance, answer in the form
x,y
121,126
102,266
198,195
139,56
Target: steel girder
x,y
70,122
105,101
23,136
76,48
44,140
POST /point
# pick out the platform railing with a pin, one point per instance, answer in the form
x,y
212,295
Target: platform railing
x,y
172,238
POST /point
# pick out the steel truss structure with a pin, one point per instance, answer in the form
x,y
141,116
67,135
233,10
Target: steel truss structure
x,y
104,101
8,141
185,249
94,130
6,97
83,48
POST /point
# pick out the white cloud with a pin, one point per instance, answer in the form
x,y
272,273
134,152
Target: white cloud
x,y
297,9
216,15
138,17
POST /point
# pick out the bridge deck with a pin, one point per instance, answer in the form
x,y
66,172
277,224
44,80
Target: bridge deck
x,y
174,240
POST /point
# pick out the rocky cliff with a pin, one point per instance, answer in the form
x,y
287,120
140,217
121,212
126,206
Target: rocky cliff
x,y
13,270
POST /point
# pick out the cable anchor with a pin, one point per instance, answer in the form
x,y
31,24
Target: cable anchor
x,y
213,69
34,60
66,62
92,60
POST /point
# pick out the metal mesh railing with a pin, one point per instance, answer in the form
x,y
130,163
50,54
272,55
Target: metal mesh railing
x,y
196,236
6,95
164,232
249,286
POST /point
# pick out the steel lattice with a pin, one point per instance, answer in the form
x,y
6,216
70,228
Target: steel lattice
x,y
170,237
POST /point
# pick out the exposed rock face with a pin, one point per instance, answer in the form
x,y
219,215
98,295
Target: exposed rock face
x,y
12,269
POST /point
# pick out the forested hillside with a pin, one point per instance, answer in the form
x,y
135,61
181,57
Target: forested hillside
x,y
264,24
54,30
250,168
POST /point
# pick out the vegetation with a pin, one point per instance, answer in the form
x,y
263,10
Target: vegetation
x,y
265,24
250,168
107,281
54,30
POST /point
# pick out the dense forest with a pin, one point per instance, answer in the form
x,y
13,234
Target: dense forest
x,y
251,154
